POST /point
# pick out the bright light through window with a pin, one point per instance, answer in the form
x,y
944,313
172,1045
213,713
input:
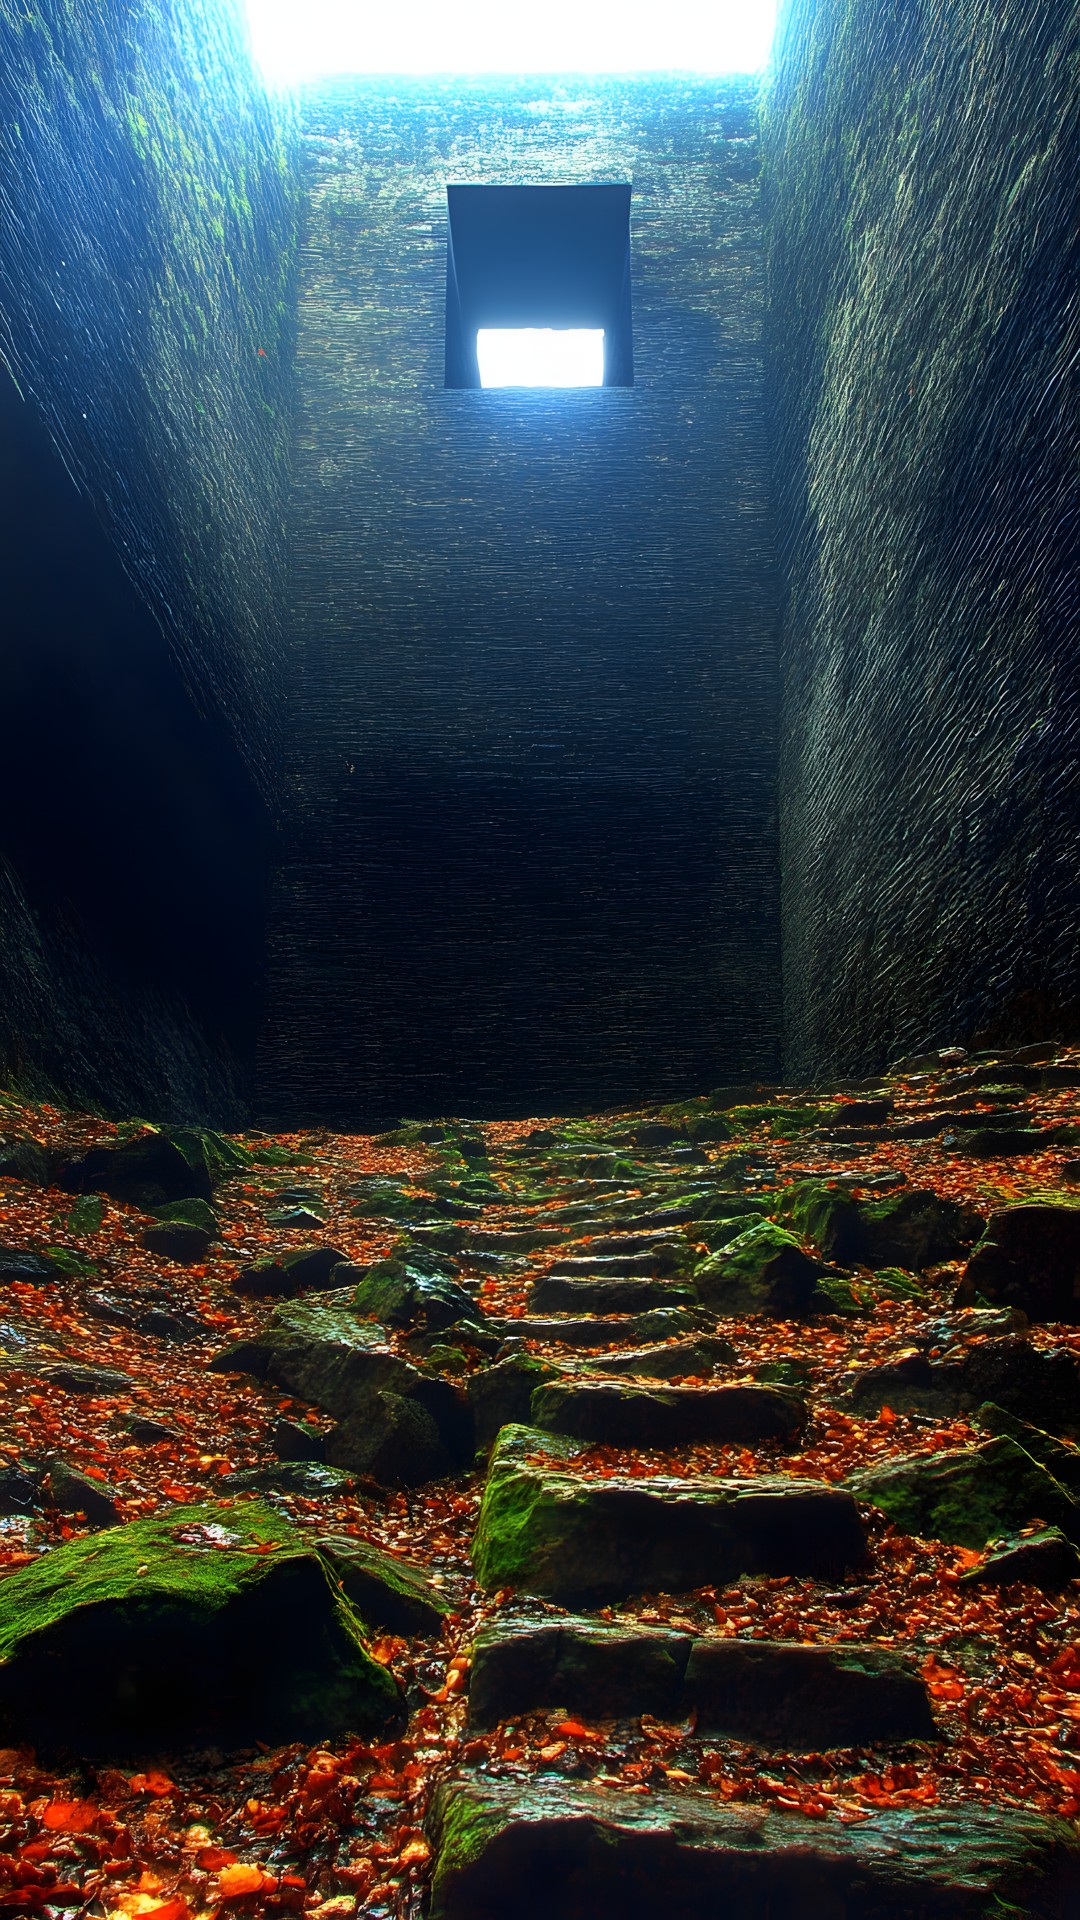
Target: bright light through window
x,y
298,40
540,356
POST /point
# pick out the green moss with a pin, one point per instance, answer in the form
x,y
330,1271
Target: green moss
x,y
763,1270
783,1123
967,1497
386,1590
69,1260
467,1830
86,1215
511,1530
267,1154
190,1213
892,1283
835,1295
105,1567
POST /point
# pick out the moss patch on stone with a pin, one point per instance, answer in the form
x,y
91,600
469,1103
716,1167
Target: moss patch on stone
x,y
203,1625
969,1495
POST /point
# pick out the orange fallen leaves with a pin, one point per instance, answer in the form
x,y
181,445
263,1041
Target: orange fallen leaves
x,y
70,1816
239,1881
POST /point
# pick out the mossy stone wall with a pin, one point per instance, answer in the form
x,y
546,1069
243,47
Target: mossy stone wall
x,y
147,252
147,206
532,861
920,167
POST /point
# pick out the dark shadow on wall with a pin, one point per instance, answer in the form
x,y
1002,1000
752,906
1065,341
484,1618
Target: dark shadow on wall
x,y
139,842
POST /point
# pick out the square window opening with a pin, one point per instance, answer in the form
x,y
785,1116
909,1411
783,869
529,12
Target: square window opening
x,y
538,287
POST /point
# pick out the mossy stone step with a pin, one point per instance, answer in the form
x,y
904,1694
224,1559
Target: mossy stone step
x,y
203,1625
398,1422
620,1415
528,1850
775,1693
297,1270
1017,1376
412,1287
176,1240
762,1269
551,1531
593,1330
914,1227
553,1293
30,1264
784,1694
1041,1557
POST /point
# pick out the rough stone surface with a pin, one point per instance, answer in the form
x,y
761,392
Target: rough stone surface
x,y
411,1289
175,1163
74,1378
573,1330
71,1491
672,1361
319,1349
777,1694
28,1263
913,1228
311,1479
176,1240
1018,1376
23,1158
502,1395
512,1851
394,1439
1041,1557
600,1293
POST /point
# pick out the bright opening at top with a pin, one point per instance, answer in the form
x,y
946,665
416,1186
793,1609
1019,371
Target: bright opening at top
x,y
298,40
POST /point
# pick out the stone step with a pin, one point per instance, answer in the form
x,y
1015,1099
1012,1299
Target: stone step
x,y
772,1692
553,1293
606,1243
618,1415
530,1850
666,1362
592,1330
661,1258
551,1531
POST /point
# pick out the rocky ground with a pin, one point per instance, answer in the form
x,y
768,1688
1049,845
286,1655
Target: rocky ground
x,y
557,1516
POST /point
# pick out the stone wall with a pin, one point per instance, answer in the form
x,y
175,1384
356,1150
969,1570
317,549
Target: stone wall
x,y
920,167
532,861
147,253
